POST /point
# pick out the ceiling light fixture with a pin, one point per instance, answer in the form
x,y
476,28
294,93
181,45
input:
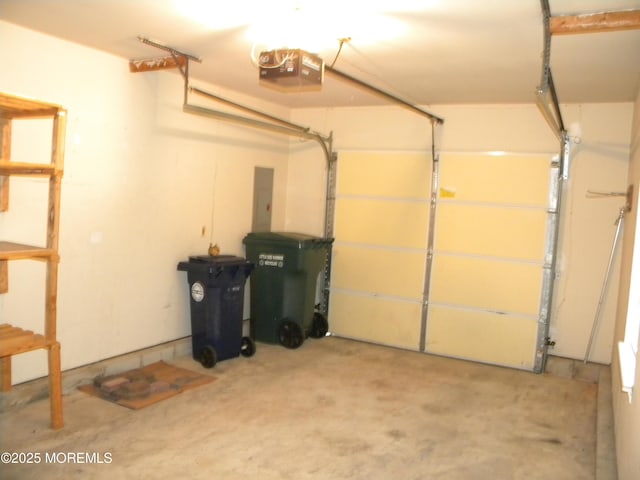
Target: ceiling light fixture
x,y
289,37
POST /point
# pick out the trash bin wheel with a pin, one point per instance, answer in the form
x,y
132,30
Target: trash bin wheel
x,y
290,334
208,356
319,326
248,347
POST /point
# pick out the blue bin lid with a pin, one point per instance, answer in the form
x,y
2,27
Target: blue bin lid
x,y
197,262
219,260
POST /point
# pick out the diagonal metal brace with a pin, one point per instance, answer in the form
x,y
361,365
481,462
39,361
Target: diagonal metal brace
x,y
171,50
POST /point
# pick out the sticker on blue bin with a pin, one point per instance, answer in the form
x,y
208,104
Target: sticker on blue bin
x,y
271,260
197,292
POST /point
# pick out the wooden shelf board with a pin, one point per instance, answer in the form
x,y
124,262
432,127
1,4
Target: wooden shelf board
x,y
18,251
14,340
24,168
12,106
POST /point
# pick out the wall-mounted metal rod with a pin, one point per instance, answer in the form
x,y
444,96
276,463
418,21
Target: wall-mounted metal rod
x,y
598,194
384,94
230,117
248,109
605,283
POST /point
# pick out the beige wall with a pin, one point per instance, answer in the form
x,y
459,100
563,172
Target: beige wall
x,y
599,162
627,414
142,182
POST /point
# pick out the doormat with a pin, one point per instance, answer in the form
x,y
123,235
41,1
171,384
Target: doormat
x,y
145,386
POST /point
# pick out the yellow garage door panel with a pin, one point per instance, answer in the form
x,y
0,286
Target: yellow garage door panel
x,y
491,231
379,271
494,338
374,319
511,179
397,224
384,174
486,284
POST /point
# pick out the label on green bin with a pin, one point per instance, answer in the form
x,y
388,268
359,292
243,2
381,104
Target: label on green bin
x,y
271,260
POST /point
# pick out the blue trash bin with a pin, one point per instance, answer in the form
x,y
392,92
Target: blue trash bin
x,y
216,288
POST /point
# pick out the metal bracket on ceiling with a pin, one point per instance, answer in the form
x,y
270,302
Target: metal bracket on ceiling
x,y
175,59
173,51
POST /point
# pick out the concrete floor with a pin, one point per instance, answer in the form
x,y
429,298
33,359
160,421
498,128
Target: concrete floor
x,y
333,409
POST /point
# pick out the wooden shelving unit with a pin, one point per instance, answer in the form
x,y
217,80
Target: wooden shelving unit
x,y
13,339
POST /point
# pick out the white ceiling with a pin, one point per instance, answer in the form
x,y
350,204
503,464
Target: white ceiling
x,y
450,51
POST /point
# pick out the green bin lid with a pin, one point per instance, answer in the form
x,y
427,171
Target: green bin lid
x,y
285,238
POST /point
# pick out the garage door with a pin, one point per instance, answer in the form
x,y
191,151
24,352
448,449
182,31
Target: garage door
x,y
482,295
489,271
379,253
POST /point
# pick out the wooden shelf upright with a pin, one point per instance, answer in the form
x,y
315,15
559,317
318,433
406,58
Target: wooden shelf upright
x,y
13,339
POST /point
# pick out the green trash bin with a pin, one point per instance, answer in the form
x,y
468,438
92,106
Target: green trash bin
x,y
284,284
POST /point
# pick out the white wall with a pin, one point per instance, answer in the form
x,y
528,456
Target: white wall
x,y
599,162
627,413
145,186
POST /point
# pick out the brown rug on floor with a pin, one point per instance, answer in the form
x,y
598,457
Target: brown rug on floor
x,y
145,386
